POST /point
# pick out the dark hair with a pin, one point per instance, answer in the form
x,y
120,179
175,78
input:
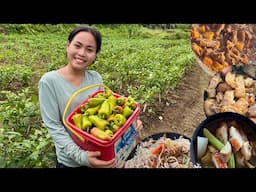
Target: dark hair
x,y
96,34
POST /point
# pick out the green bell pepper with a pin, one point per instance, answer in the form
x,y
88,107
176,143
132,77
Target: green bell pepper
x,y
92,110
98,122
107,93
112,101
96,132
120,101
127,111
77,119
119,120
93,102
105,110
86,123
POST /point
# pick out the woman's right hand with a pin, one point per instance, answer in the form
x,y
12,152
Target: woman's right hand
x,y
95,162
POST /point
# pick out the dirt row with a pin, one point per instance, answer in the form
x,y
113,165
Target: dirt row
x,y
183,110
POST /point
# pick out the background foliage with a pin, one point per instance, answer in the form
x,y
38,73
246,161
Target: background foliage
x,y
144,61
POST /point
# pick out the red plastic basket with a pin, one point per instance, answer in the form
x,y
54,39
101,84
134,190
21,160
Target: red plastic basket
x,y
107,148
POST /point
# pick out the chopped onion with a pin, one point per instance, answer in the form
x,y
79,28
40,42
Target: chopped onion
x,y
202,143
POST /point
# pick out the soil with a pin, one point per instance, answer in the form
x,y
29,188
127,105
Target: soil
x,y
182,111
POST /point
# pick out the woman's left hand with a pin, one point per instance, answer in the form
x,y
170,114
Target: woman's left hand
x,y
138,125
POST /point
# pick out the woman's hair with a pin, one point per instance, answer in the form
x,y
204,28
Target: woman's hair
x,y
96,34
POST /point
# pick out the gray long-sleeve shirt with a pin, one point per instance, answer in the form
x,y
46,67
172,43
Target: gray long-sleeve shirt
x,y
54,93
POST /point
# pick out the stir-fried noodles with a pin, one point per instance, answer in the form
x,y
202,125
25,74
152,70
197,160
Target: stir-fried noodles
x,y
162,153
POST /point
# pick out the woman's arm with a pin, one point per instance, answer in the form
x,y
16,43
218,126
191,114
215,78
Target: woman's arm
x,y
51,116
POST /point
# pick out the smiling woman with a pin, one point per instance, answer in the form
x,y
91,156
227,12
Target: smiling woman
x,y
56,87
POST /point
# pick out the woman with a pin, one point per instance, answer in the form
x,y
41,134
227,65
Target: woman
x,y
55,89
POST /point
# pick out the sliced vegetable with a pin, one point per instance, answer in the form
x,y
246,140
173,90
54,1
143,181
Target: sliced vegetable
x,y
218,145
158,149
231,161
212,139
202,143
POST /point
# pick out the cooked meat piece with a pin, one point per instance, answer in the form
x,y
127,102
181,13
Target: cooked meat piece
x,y
218,56
250,98
222,133
252,111
235,138
250,90
201,28
225,70
229,45
223,87
244,59
239,158
253,144
249,82
210,106
240,87
228,98
235,42
208,61
228,28
248,38
219,29
197,49
216,79
219,97
194,33
241,35
246,150
211,93
240,46
234,37
216,66
229,108
218,160
209,43
208,35
241,106
230,79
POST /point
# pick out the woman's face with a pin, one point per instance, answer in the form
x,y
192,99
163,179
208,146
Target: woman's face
x,y
81,51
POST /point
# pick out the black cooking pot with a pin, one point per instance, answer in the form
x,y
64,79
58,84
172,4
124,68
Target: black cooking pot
x,y
212,122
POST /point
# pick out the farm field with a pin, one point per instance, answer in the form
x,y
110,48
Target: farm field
x,y
153,63
182,110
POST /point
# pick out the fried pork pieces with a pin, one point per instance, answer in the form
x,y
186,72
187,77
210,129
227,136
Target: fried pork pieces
x,y
221,45
231,92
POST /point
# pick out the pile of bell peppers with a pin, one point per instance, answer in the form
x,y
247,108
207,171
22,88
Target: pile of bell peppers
x,y
104,114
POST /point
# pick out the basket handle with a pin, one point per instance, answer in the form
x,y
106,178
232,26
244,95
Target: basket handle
x,y
70,101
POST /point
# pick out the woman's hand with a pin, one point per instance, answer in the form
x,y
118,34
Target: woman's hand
x,y
138,125
93,156
95,162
